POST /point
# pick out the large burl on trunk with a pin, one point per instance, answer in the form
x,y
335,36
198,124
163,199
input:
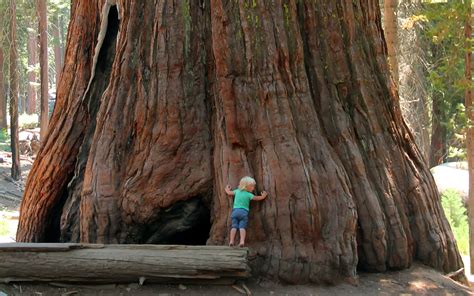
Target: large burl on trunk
x,y
163,103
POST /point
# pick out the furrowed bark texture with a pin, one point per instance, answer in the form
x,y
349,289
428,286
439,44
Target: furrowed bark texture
x,y
188,96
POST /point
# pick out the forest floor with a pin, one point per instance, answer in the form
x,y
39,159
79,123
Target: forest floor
x,y
418,280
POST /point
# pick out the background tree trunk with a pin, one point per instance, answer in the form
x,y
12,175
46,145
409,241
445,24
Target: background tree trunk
x,y
14,90
58,54
32,48
193,95
413,72
43,57
469,129
3,99
391,35
438,149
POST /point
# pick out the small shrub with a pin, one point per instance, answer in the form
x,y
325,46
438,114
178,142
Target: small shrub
x,y
4,137
456,214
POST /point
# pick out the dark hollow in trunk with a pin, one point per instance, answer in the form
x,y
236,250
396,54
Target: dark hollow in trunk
x,y
162,105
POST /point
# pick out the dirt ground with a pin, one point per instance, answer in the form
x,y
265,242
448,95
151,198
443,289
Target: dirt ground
x,y
11,191
418,280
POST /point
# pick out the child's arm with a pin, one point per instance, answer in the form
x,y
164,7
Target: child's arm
x,y
229,191
263,195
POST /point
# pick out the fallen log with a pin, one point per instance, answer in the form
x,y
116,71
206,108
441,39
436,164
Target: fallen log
x,y
99,264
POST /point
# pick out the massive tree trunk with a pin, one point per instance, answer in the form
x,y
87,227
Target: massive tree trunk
x,y
43,57
32,49
14,90
391,35
163,103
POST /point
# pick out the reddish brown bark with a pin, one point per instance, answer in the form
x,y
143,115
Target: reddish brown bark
x,y
43,58
14,90
188,96
32,49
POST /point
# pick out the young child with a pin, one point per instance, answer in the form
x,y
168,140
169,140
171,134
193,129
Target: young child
x,y
240,212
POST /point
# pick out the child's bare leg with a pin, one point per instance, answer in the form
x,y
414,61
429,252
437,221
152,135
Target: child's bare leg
x,y
242,237
233,232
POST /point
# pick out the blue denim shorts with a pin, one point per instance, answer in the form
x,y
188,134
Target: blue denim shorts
x,y
240,218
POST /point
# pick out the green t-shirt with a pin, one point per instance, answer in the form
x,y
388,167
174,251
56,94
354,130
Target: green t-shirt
x,y
242,199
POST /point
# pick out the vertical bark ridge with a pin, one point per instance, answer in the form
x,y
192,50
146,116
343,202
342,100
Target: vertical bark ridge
x,y
92,100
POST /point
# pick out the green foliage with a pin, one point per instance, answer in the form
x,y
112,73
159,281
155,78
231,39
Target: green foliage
x,y
457,216
4,140
4,137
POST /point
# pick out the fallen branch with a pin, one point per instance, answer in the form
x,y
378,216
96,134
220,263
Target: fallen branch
x,y
455,273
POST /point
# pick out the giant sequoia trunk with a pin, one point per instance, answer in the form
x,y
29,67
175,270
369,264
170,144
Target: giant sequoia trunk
x,y
163,103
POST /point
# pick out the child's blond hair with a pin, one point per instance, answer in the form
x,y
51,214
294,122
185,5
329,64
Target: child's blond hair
x,y
246,181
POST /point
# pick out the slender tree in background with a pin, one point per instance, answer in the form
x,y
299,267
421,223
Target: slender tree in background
x,y
14,89
32,50
391,36
469,129
3,99
58,53
43,57
152,123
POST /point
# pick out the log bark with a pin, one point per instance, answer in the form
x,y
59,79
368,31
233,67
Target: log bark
x,y
76,263
14,91
32,60
43,57
161,104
